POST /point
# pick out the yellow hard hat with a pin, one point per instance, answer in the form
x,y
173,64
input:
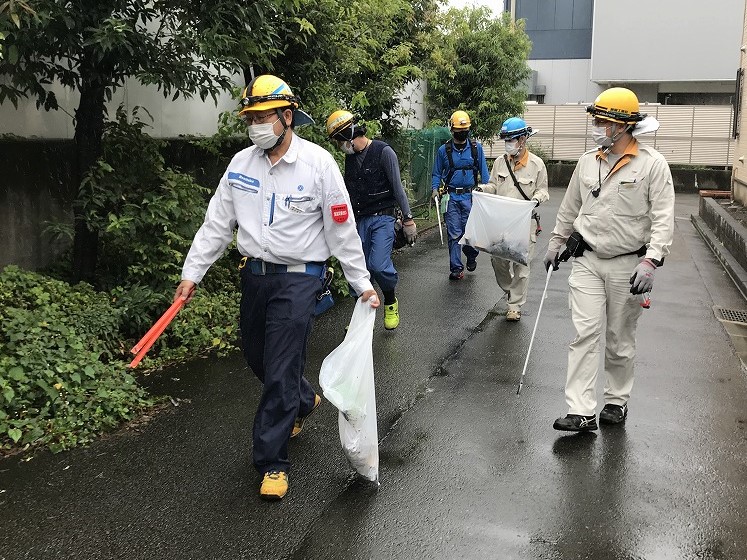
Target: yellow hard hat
x,y
339,121
267,92
459,120
618,105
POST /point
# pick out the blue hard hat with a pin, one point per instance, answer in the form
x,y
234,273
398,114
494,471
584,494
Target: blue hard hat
x,y
513,128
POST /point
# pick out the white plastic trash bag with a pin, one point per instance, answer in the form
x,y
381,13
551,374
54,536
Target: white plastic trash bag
x,y
347,380
499,225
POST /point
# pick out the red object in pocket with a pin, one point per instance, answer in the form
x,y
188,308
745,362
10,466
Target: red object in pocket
x,y
340,213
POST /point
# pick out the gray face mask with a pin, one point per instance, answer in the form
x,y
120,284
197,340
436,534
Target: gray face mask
x,y
599,134
347,147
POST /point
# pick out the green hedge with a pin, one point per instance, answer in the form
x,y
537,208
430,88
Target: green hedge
x,y
63,358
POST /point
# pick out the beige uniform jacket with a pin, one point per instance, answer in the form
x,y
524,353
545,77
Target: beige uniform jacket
x,y
530,173
634,206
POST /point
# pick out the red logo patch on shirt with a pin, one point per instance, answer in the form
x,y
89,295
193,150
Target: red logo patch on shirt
x,y
340,213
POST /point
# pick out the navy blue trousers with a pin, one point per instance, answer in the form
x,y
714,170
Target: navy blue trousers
x,y
457,213
277,312
377,239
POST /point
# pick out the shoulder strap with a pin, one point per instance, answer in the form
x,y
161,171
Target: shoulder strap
x,y
473,147
516,183
452,169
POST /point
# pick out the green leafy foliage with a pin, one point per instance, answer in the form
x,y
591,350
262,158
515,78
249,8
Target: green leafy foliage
x,y
63,355
146,212
353,54
185,48
479,66
64,349
209,322
538,151
62,377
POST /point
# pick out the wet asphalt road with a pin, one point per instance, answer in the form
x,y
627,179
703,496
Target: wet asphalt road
x,y
469,470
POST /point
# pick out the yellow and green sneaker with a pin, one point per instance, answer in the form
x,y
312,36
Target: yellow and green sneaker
x,y
391,316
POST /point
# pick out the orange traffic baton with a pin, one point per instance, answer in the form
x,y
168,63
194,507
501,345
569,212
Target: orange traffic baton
x,y
155,331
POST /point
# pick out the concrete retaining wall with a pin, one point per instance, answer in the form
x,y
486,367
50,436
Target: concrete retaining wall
x,y
559,175
35,190
730,232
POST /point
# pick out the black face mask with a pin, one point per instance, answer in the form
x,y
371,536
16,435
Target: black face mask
x,y
460,136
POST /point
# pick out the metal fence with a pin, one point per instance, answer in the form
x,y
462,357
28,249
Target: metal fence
x,y
689,134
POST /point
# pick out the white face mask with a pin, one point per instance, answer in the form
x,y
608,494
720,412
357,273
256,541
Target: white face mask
x,y
512,147
347,147
599,134
263,135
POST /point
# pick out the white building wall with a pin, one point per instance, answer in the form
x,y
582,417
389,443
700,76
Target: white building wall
x,y
565,81
412,113
666,40
170,118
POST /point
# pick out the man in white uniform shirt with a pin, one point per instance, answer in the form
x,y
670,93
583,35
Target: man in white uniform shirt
x,y
617,220
289,201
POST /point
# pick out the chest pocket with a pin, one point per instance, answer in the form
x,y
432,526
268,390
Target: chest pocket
x,y
632,195
590,204
295,204
527,185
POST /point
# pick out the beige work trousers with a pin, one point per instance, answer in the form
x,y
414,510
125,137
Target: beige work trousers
x,y
513,279
599,290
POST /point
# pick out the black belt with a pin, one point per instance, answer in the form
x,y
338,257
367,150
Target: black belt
x,y
385,212
638,252
459,190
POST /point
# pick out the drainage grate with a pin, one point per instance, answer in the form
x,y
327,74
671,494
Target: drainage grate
x,y
730,315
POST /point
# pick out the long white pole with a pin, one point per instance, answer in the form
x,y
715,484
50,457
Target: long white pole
x,y
438,215
534,331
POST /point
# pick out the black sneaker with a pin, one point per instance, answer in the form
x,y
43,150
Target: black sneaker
x,y
458,275
471,265
613,414
576,423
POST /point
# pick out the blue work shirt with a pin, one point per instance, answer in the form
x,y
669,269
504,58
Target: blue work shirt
x,y
462,177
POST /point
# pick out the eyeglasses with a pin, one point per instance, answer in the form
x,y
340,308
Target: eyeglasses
x,y
250,118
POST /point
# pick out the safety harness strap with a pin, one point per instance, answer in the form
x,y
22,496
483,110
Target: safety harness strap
x,y
450,157
535,214
516,183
